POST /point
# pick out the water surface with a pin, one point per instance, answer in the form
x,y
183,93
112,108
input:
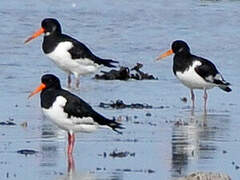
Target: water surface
x,y
168,144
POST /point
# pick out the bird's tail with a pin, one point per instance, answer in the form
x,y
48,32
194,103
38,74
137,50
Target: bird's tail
x,y
109,62
221,83
105,62
225,88
105,122
224,85
115,126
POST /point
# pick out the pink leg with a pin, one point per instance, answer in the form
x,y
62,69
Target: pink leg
x,y
205,96
71,141
71,164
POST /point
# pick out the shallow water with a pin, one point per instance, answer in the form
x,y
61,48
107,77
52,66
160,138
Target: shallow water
x,y
168,144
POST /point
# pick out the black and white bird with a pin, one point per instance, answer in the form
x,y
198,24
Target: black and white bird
x,y
193,71
68,111
67,53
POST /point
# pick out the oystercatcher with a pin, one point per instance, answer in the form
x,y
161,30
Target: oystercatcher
x,y
67,53
68,111
193,71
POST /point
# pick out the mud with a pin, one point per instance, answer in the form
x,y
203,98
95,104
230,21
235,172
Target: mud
x,y
172,142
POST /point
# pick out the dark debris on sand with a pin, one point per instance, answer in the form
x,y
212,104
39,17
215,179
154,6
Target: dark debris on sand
x,y
118,154
148,171
27,152
7,123
125,73
119,104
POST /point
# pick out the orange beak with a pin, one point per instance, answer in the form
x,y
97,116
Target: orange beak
x,y
167,53
36,34
37,90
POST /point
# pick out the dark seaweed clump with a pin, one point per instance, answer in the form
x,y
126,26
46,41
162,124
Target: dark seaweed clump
x,y
119,104
7,123
27,152
125,73
116,154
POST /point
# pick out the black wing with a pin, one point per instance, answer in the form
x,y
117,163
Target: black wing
x,y
80,50
209,72
206,69
76,107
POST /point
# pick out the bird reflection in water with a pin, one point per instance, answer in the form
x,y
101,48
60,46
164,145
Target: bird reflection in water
x,y
71,164
194,139
73,174
53,153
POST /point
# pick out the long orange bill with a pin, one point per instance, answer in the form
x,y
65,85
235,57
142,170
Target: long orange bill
x,y
36,34
37,90
167,53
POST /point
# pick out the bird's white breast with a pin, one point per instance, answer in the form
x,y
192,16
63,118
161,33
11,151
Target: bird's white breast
x,y
191,79
56,112
62,58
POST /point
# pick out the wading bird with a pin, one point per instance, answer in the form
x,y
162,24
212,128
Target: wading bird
x,y
68,111
194,72
67,53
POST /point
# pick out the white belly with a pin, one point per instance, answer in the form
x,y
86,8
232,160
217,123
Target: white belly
x,y
62,58
192,80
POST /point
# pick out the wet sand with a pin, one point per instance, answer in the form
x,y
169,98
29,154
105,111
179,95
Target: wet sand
x,y
167,143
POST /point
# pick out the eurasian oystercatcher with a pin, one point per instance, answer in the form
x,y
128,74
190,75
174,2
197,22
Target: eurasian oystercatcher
x,y
193,71
68,111
67,53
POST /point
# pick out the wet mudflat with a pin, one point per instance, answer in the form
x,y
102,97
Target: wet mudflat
x,y
157,143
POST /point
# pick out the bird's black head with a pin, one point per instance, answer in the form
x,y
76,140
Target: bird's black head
x,y
180,46
51,26
51,81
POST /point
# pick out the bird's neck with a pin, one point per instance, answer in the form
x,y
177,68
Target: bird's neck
x,y
48,96
50,42
181,62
